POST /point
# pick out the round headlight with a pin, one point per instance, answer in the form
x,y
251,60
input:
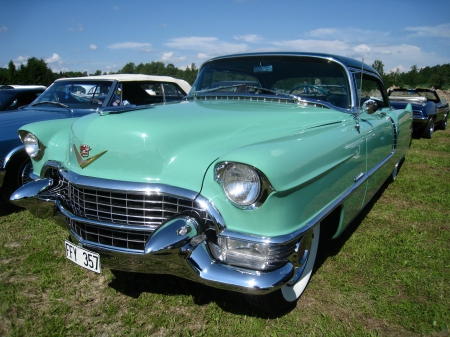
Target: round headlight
x,y
31,145
241,184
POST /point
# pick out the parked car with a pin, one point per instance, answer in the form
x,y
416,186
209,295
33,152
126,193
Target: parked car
x,y
231,188
14,96
75,97
430,112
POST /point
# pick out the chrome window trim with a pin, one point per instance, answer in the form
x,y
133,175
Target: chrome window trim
x,y
348,70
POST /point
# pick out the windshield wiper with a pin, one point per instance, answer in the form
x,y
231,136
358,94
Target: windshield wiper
x,y
219,88
51,102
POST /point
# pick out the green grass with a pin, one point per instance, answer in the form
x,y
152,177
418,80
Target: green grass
x,y
387,275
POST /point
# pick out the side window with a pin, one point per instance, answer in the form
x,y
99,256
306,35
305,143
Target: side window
x,y
172,92
371,88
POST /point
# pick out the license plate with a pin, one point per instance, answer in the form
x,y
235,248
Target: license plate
x,y
82,257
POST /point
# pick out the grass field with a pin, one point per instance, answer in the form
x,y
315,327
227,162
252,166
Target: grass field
x,y
388,275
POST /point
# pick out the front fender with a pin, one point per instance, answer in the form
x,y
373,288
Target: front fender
x,y
53,132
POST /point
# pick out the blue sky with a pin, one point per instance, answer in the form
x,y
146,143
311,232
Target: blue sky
x,y
106,34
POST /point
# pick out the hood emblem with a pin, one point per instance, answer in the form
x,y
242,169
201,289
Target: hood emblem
x,y
84,152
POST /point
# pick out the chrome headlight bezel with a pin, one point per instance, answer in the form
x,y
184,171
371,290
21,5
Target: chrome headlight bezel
x,y
243,185
33,146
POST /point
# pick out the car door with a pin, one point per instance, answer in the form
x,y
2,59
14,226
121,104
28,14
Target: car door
x,y
379,132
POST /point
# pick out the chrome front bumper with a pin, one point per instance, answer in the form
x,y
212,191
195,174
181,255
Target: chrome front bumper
x,y
178,247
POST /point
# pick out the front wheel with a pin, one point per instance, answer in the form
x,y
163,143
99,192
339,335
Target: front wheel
x,y
17,174
285,299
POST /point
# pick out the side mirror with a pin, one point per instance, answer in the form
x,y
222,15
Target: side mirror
x,y
370,106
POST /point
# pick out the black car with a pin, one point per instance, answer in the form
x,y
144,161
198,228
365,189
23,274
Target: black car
x,y
430,112
14,96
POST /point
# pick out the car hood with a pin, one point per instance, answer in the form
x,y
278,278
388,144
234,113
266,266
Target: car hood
x,y
175,144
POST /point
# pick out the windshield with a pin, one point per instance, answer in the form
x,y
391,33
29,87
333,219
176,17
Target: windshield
x,y
429,95
5,98
77,94
309,79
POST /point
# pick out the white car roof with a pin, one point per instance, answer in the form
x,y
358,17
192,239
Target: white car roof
x,y
19,86
133,77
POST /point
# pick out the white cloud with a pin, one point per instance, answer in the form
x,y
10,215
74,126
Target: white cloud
x,y
93,47
3,29
21,60
250,38
116,8
79,28
431,31
143,47
167,56
351,35
54,59
319,46
360,51
208,45
323,32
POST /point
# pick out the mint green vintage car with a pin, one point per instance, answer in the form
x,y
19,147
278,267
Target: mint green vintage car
x,y
232,187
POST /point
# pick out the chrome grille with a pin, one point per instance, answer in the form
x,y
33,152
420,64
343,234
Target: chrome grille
x,y
143,212
111,237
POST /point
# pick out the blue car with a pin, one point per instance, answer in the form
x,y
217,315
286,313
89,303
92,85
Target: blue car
x,y
13,97
430,112
72,98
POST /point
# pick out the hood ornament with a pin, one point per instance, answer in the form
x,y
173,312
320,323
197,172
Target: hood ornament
x,y
84,152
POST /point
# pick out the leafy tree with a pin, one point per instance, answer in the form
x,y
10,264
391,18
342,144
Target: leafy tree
x,y
128,68
436,80
11,72
378,66
412,76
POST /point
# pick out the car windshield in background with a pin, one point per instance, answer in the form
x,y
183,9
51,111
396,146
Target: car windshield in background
x,y
5,97
77,94
429,95
92,94
307,78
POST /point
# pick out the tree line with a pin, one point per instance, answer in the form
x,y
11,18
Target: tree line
x,y
436,76
37,72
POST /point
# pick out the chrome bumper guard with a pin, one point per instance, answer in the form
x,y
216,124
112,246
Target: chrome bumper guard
x,y
178,247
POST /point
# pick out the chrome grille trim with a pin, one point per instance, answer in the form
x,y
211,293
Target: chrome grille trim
x,y
124,239
122,215
134,209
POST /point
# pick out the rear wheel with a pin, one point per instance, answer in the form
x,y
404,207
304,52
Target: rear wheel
x,y
443,124
285,299
429,130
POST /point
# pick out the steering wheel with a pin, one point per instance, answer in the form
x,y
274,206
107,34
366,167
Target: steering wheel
x,y
311,89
